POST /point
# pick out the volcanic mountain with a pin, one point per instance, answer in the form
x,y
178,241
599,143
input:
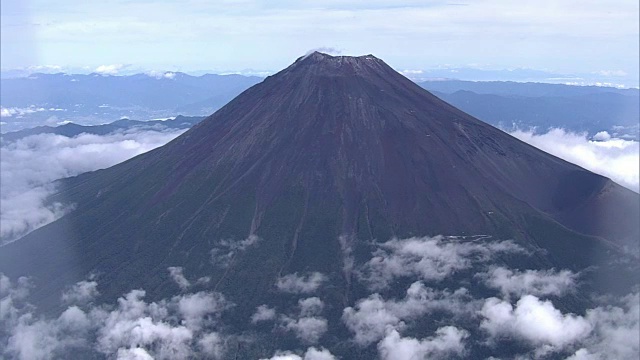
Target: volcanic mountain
x,y
309,172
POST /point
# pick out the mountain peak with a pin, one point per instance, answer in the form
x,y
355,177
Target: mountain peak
x,y
325,64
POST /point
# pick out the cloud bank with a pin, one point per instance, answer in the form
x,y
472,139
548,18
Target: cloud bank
x,y
428,258
502,308
180,327
617,159
30,164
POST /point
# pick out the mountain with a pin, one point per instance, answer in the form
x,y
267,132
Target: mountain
x,y
325,179
71,129
522,89
591,113
45,99
49,99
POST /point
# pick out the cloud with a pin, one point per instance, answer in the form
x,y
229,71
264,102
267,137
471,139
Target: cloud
x,y
308,326
81,293
537,322
200,309
161,74
446,342
301,284
532,282
226,250
604,332
133,354
30,164
611,73
324,49
348,261
24,336
312,353
212,345
602,136
310,306
289,27
110,69
20,112
411,72
181,327
427,258
263,313
177,275
308,329
616,329
615,158
371,317
318,354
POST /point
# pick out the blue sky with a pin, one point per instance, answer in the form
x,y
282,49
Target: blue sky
x,y
569,36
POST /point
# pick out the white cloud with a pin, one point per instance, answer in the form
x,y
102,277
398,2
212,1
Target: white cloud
x,y
198,309
602,136
45,68
20,112
28,165
226,250
535,321
371,317
447,341
25,336
348,261
605,332
263,313
411,72
310,306
301,284
109,69
312,353
177,275
80,293
532,282
162,74
318,354
612,73
133,354
617,159
176,328
583,354
212,345
616,330
290,28
427,258
308,329
284,355
308,326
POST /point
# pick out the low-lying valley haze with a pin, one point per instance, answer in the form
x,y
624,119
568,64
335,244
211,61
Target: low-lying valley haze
x,y
319,180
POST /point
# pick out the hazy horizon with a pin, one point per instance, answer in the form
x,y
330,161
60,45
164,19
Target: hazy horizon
x,y
591,41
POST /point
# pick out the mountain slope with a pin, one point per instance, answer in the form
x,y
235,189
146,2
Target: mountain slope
x,y
309,171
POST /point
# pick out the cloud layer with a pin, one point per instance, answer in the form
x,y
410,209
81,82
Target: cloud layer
x,y
614,158
30,164
180,327
428,320
574,36
428,258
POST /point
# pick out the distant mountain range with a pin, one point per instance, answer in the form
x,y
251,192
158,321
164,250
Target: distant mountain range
x,y
71,129
49,99
614,112
53,99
